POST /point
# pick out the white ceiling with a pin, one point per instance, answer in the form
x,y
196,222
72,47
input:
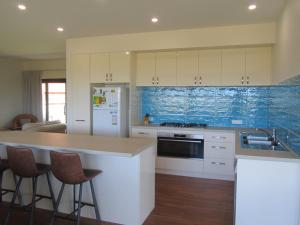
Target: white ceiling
x,y
32,33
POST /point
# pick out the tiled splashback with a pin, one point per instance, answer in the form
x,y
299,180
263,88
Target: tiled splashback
x,y
257,107
212,105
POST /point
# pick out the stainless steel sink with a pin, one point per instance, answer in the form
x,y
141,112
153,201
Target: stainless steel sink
x,y
260,141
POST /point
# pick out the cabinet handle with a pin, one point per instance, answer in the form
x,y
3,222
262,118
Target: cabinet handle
x,y
218,147
111,77
106,79
195,80
80,120
248,80
218,163
200,80
242,80
153,80
157,80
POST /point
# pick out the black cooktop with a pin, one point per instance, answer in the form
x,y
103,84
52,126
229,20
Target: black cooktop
x,y
184,125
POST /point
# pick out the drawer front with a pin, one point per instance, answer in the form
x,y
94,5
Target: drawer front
x,y
143,133
189,165
219,150
220,137
219,166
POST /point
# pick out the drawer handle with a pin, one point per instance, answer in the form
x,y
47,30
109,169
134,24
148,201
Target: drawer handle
x,y
218,147
80,120
142,133
219,137
218,163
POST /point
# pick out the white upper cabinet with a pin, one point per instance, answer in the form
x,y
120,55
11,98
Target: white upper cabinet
x,y
166,68
187,68
99,68
213,67
110,68
258,66
120,67
233,67
145,69
78,94
210,67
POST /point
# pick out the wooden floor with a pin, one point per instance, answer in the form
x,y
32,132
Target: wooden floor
x,y
179,201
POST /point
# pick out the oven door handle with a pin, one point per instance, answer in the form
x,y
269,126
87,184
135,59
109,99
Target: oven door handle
x,y
175,140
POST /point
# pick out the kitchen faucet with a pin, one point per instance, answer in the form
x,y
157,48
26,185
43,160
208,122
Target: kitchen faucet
x,y
273,135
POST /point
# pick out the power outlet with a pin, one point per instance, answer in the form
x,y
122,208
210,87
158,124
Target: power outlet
x,y
237,122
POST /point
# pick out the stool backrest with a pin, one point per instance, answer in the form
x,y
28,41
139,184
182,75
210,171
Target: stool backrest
x,y
21,161
67,167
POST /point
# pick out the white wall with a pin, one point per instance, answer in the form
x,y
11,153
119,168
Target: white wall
x,y
254,34
287,48
10,90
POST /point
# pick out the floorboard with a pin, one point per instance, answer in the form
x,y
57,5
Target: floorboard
x,y
179,201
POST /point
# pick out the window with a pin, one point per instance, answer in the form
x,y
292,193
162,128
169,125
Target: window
x,y
54,99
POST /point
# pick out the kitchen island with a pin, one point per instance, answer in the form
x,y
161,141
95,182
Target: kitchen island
x,y
125,190
267,186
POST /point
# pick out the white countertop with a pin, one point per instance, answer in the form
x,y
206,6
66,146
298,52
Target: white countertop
x,y
100,145
208,129
269,155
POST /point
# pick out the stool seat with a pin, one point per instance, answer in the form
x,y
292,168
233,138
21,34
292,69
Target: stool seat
x,y
22,163
67,168
90,174
42,168
3,165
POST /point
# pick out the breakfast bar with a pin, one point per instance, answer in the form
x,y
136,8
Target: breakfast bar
x,y
125,190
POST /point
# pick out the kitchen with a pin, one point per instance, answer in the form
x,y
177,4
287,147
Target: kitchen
x,y
181,87
212,109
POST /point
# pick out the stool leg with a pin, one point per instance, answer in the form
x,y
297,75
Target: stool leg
x,y
7,218
34,186
1,175
79,205
19,193
50,190
57,204
98,218
74,198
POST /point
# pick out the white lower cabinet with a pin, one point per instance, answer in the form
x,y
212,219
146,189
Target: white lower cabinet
x,y
219,152
177,164
143,133
219,166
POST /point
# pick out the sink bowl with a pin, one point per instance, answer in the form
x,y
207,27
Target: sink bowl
x,y
260,141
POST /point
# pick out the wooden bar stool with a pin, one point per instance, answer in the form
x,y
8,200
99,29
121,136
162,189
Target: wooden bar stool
x,y
67,168
21,162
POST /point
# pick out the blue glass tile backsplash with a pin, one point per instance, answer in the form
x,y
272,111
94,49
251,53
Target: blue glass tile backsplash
x,y
216,106
257,107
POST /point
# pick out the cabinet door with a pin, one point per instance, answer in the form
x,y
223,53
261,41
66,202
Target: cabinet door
x,y
79,94
210,67
187,68
99,68
120,67
166,71
258,66
145,70
233,67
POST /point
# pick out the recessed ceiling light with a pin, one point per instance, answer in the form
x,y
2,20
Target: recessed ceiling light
x,y
22,7
154,20
60,29
252,7
127,53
